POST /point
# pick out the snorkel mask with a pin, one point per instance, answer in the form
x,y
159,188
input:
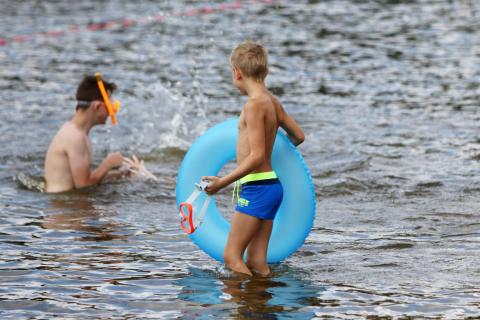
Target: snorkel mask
x,y
112,109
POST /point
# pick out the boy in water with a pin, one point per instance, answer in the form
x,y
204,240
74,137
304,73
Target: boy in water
x,y
261,191
69,156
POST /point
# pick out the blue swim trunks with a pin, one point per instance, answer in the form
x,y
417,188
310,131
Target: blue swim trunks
x,y
260,196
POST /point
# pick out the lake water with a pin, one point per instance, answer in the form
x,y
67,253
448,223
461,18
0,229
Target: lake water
x,y
387,93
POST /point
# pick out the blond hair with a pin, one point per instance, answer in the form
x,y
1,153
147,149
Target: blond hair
x,y
252,59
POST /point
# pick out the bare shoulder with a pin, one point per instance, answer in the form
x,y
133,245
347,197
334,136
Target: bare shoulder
x,y
70,135
258,104
253,103
276,102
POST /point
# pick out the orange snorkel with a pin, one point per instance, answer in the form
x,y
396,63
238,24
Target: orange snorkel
x,y
112,110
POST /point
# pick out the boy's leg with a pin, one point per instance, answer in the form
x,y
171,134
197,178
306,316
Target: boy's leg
x,y
257,248
242,230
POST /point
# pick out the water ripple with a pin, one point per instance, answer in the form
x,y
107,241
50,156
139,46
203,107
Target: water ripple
x,y
387,92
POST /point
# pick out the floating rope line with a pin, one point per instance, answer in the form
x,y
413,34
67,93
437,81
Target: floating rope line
x,y
128,22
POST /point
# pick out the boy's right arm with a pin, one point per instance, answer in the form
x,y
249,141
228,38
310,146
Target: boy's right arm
x,y
79,160
291,127
104,169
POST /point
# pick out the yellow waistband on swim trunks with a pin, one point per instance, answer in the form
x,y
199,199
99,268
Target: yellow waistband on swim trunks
x,y
258,176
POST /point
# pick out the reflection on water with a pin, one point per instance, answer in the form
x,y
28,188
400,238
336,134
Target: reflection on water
x,y
79,214
74,215
282,294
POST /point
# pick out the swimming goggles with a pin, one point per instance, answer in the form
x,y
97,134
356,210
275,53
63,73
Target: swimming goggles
x,y
111,109
187,210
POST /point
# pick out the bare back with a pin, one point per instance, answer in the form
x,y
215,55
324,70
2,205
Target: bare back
x,y
272,111
58,172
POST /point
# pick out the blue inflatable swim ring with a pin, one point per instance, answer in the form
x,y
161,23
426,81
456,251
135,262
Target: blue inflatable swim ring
x,y
294,219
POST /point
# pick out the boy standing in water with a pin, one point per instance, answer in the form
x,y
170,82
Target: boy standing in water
x,y
261,191
69,156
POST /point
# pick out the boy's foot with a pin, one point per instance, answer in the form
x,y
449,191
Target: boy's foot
x,y
227,273
260,269
264,273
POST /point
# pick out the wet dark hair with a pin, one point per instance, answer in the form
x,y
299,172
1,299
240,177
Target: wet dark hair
x,y
88,91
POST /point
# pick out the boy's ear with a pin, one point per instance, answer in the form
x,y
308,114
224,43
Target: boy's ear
x,y
95,105
237,73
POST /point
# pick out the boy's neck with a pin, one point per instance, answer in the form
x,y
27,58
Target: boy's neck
x,y
254,88
82,121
